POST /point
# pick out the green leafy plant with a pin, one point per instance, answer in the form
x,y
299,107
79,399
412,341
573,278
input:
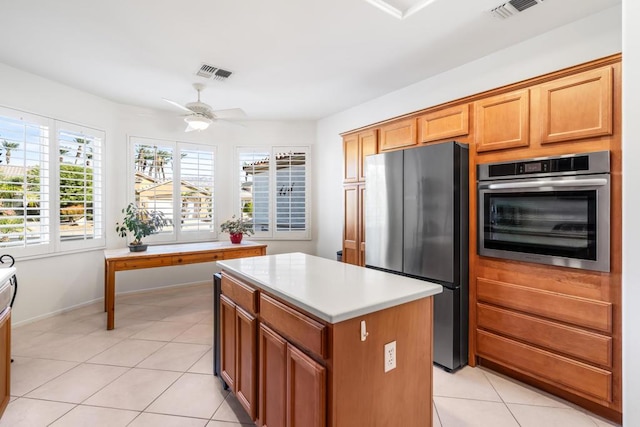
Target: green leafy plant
x,y
140,223
237,226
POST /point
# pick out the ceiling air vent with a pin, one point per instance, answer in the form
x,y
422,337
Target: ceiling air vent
x,y
209,71
512,7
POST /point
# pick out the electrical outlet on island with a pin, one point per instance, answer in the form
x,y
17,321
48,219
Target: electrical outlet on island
x,y
389,356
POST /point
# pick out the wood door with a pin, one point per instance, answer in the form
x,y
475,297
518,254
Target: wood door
x,y
228,341
273,377
5,360
502,121
351,158
447,123
398,134
351,238
246,361
367,144
306,390
361,224
578,106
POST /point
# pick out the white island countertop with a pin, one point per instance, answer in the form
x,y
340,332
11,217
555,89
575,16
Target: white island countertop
x,y
331,290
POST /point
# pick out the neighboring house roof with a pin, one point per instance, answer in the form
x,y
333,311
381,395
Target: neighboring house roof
x,y
13,170
262,165
147,183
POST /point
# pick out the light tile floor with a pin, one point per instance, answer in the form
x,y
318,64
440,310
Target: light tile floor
x,y
155,369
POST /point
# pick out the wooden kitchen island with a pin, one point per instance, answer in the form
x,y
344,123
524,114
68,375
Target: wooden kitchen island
x,y
306,341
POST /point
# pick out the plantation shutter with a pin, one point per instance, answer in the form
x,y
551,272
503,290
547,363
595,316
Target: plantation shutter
x,y
80,183
153,182
196,189
25,215
254,189
291,190
274,191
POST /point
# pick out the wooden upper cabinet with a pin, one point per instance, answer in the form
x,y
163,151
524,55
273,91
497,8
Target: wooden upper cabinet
x,y
575,107
398,134
351,161
368,144
356,148
502,121
448,123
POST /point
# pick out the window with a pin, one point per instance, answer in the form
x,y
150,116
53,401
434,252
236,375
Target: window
x,y
177,179
273,191
50,185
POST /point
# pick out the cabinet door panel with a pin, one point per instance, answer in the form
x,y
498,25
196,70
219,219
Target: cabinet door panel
x,y
368,144
273,378
401,133
306,390
5,359
351,161
246,360
502,121
447,123
577,106
228,341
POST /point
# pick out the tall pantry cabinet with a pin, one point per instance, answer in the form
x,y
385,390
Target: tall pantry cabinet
x,y
356,148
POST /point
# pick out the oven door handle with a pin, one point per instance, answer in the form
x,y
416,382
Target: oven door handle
x,y
591,182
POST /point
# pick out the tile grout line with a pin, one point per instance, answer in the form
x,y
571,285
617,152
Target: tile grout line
x,y
501,398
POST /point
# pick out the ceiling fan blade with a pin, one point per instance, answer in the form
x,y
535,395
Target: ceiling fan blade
x,y
231,113
175,104
230,122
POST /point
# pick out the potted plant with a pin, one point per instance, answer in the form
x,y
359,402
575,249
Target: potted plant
x,y
236,228
140,223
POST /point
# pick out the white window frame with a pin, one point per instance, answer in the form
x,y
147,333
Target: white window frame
x,y
55,246
273,233
177,235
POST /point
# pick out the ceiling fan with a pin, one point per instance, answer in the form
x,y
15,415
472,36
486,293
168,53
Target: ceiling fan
x,y
201,115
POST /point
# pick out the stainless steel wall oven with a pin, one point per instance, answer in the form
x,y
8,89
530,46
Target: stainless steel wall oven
x,y
551,210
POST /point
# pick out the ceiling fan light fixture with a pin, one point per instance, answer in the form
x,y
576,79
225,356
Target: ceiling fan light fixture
x,y
198,122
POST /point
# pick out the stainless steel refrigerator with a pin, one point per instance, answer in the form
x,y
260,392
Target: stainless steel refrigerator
x,y
416,223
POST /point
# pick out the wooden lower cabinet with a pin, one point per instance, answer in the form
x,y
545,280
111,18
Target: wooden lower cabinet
x,y
292,385
246,357
353,246
5,360
238,356
228,341
306,390
272,378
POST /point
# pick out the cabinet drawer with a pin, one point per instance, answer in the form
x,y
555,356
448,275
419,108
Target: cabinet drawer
x,y
299,328
591,347
566,308
195,258
242,253
555,369
240,293
134,264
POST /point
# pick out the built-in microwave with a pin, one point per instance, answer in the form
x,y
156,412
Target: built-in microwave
x,y
551,210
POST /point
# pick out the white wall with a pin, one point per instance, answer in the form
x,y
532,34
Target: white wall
x,y
52,284
630,209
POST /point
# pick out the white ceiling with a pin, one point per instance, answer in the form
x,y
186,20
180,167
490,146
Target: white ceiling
x,y
291,59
